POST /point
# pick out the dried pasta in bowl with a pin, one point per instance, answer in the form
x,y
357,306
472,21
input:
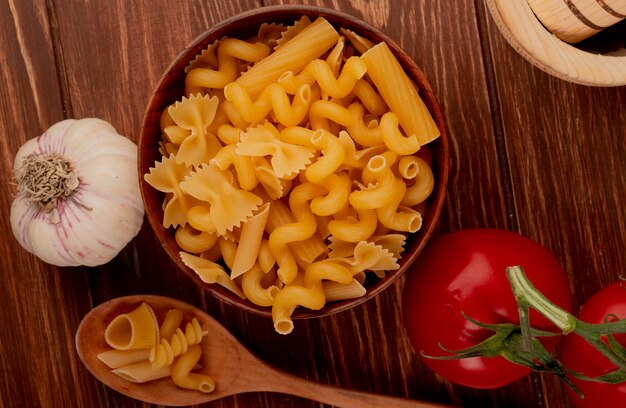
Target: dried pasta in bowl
x,y
294,166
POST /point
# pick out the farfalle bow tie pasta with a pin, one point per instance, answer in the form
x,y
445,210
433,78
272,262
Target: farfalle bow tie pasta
x,y
294,164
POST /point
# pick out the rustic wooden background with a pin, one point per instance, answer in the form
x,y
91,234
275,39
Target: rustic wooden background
x,y
530,153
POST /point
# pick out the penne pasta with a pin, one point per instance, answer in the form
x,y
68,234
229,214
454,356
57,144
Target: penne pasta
x,y
322,224
311,43
334,291
249,242
228,250
119,358
141,372
400,93
266,259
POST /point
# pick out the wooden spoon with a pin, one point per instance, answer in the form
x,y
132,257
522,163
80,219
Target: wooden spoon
x,y
234,369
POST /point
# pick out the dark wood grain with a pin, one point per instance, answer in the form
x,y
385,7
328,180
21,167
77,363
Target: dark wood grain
x,y
565,163
530,153
41,305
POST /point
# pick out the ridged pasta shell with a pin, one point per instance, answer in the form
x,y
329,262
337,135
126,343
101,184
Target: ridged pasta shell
x,y
207,58
292,30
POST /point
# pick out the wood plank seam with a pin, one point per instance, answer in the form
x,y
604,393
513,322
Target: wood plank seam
x,y
496,118
57,50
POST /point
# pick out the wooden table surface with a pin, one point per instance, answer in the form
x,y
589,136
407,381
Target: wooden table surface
x,y
530,153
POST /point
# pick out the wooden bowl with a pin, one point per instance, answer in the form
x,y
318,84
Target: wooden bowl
x,y
171,88
523,30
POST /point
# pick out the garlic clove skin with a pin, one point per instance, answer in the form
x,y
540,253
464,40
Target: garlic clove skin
x,y
101,215
50,141
52,243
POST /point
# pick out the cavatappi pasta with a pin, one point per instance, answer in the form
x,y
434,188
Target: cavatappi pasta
x,y
142,351
294,165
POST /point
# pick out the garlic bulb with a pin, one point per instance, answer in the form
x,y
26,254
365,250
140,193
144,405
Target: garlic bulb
x,y
78,199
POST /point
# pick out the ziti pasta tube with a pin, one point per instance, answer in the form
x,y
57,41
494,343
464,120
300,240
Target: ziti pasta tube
x,y
400,93
309,44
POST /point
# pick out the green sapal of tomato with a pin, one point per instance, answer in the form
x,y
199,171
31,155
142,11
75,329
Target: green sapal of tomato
x,y
578,355
464,273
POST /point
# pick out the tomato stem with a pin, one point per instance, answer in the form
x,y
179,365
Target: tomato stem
x,y
528,296
519,343
507,341
524,322
591,333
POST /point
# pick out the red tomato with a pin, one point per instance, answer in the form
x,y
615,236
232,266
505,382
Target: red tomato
x,y
465,272
581,357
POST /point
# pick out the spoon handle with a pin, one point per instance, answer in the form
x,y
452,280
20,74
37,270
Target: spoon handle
x,y
341,397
